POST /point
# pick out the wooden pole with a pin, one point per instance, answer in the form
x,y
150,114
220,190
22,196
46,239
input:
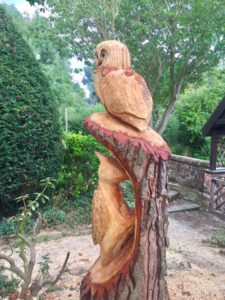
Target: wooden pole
x,y
66,119
213,155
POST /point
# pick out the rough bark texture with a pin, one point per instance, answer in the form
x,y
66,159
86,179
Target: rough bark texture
x,y
142,275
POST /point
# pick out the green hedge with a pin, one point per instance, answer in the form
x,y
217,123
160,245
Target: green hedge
x,y
30,134
79,171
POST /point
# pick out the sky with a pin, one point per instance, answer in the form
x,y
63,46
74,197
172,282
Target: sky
x,y
22,5
12,1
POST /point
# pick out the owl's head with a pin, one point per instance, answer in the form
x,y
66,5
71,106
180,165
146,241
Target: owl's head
x,y
112,53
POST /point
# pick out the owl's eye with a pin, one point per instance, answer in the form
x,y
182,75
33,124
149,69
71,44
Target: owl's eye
x,y
103,53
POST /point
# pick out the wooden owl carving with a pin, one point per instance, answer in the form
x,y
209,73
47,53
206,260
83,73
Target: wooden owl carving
x,y
122,91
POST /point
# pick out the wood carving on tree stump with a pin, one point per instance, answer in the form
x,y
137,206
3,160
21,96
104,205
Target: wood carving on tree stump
x,y
132,261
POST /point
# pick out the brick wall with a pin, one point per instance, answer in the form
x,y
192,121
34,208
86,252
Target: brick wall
x,y
193,180
187,175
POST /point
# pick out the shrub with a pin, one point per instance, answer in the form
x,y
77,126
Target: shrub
x,y
79,171
8,286
83,206
79,111
216,241
8,226
30,141
54,216
184,132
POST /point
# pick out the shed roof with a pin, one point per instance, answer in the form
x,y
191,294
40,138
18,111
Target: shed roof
x,y
216,122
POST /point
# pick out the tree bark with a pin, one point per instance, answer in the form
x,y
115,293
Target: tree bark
x,y
142,269
174,98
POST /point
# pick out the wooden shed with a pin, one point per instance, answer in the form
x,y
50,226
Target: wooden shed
x,y
215,128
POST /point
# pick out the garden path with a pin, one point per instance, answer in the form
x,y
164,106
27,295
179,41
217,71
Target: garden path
x,y
196,271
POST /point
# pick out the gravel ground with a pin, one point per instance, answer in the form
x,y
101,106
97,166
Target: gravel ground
x,y
196,271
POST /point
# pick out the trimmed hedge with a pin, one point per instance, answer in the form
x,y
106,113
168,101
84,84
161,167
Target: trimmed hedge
x,y
30,134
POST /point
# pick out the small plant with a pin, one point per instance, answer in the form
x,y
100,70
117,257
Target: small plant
x,y
44,265
216,241
54,216
8,285
26,244
8,226
30,205
174,250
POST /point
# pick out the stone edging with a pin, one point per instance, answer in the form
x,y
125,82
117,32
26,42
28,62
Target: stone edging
x,y
191,161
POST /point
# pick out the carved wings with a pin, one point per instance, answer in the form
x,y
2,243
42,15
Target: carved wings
x,y
125,95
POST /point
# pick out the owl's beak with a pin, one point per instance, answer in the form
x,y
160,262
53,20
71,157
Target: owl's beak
x,y
98,64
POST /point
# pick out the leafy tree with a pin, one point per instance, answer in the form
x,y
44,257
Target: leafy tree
x,y
179,40
55,64
30,131
172,41
18,20
68,94
44,40
184,131
88,81
32,2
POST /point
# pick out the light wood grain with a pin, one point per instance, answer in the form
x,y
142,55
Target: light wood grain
x,y
123,92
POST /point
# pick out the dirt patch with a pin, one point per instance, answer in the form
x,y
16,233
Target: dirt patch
x,y
196,271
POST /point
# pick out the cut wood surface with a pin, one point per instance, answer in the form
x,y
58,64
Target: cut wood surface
x,y
133,243
122,91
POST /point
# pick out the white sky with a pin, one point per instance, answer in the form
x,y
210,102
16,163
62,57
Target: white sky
x,y
22,6
26,8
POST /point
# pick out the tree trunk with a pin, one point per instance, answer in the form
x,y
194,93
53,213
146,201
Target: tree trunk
x,y
174,98
166,116
137,271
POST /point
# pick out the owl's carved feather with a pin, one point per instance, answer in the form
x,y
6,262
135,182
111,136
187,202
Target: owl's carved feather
x,y
122,91
100,217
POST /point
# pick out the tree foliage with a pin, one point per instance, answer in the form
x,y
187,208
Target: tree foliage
x,y
172,42
45,42
30,131
54,60
184,132
88,80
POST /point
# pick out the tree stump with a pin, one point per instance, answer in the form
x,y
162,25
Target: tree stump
x,y
136,268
